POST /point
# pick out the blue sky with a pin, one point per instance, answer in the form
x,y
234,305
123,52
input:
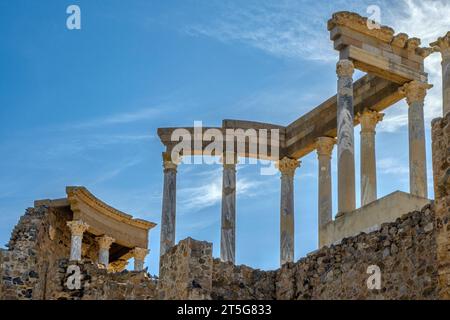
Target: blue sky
x,y
81,107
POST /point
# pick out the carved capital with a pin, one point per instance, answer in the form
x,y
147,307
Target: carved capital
x,y
105,242
415,91
324,146
345,68
140,253
168,162
229,159
287,166
369,119
77,227
442,45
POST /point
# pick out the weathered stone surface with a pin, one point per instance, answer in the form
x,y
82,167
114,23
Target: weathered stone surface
x,y
186,271
441,172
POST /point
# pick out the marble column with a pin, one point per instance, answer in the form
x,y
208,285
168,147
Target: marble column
x,y
324,147
415,95
287,168
442,45
139,258
345,137
77,228
368,120
228,222
104,243
168,204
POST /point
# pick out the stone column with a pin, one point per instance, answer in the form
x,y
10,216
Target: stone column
x,y
415,95
139,258
77,228
442,45
228,223
368,120
345,137
168,204
287,168
324,146
104,243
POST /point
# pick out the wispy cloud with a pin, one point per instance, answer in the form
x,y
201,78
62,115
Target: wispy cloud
x,y
392,166
287,29
208,191
82,143
112,173
120,118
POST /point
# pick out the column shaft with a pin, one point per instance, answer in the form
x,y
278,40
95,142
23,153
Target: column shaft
x,y
368,120
228,223
139,258
345,136
168,207
324,146
287,168
417,151
415,95
104,243
75,247
77,228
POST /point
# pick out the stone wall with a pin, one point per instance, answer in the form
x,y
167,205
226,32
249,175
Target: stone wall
x,y
405,252
186,271
20,270
441,175
230,282
98,284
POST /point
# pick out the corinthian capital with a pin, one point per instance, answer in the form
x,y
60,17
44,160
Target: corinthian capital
x,y
287,166
345,68
415,91
77,227
369,119
324,146
442,45
168,162
140,253
105,242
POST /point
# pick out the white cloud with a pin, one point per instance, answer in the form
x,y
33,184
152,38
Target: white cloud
x,y
288,29
392,166
120,118
112,173
208,191
66,146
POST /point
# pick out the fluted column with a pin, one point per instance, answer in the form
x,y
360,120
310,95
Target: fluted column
x,y
415,95
442,45
77,228
228,221
324,146
368,120
345,137
104,243
169,204
287,168
139,258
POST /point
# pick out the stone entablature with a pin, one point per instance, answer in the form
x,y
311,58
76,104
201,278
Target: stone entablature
x,y
375,49
104,219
